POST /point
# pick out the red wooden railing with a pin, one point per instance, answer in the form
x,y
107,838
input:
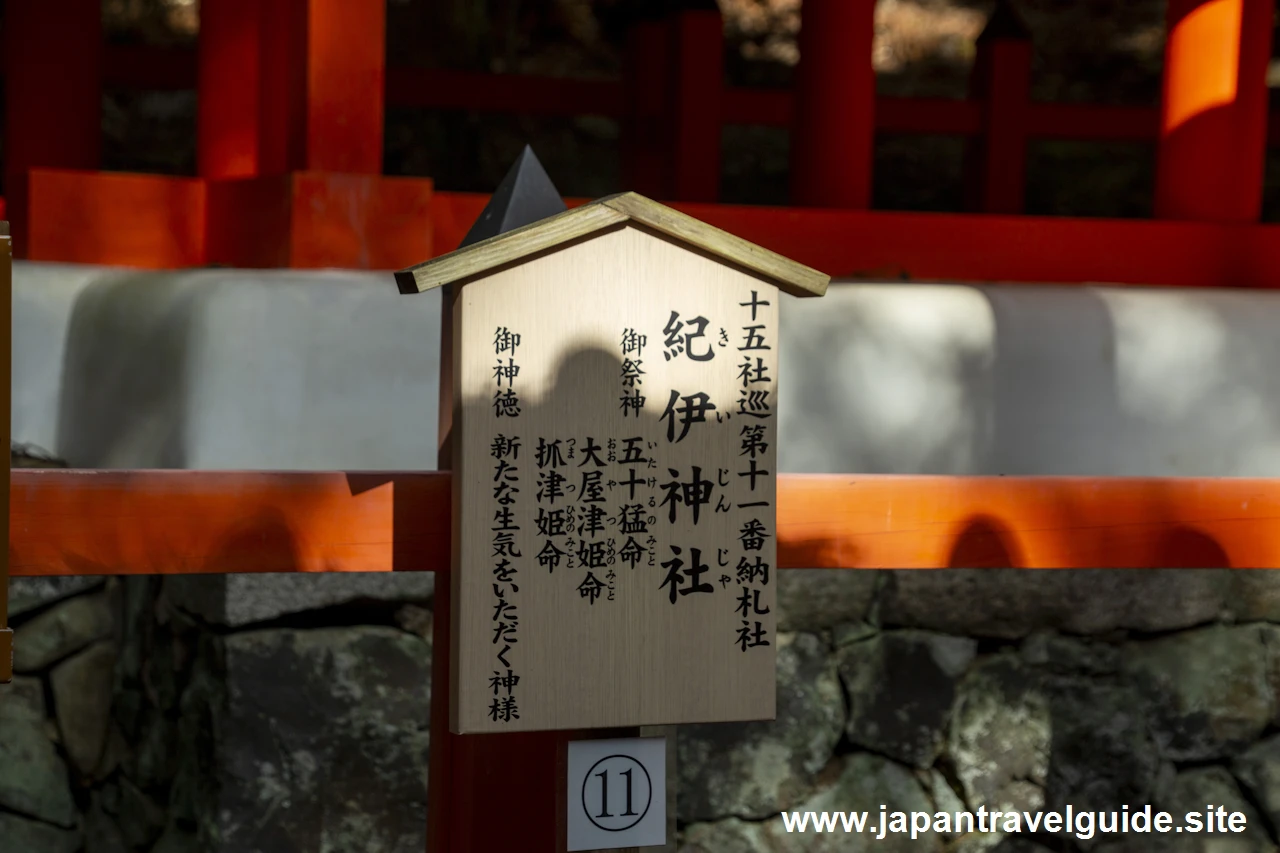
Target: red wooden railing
x,y
314,220
283,142
195,522
160,69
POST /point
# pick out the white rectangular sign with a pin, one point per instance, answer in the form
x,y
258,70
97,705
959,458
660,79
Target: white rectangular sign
x,y
617,793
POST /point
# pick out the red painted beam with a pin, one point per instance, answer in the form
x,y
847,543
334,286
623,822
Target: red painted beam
x,y
1011,249
196,522
886,522
942,116
1092,123
186,522
311,220
401,218
929,115
469,91
303,220
116,218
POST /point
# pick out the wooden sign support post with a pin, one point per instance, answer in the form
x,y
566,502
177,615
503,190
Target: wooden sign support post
x,y
6,363
613,439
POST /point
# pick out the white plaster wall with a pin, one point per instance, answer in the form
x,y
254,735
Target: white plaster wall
x,y
914,378
43,298
337,370
228,369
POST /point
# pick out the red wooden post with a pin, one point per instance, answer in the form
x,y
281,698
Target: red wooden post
x,y
834,136
291,127
6,400
53,96
346,63
291,85
282,90
1213,118
647,140
699,84
1001,79
228,122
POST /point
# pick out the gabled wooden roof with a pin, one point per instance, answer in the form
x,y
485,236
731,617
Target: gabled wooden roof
x,y
478,258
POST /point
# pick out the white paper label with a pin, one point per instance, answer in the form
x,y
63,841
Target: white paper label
x,y
617,793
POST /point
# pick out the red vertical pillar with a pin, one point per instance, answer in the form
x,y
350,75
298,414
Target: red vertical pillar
x,y
647,145
997,171
1213,117
699,82
291,85
345,85
53,95
283,97
833,140
228,125
290,138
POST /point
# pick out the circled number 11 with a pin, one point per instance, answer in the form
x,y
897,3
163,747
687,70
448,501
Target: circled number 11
x,y
604,794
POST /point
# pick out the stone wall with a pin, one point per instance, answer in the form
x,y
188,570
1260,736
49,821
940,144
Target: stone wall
x,y
143,720
174,716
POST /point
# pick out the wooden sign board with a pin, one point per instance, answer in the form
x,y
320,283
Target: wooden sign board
x,y
6,362
615,431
